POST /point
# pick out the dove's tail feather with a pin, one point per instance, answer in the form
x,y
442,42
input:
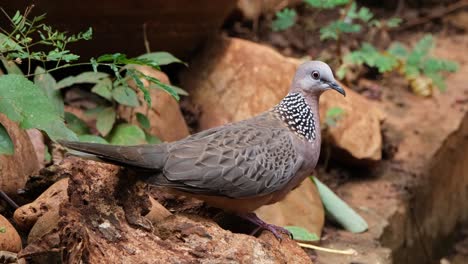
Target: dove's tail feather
x,y
140,156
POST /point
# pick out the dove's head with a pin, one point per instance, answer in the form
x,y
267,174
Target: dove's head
x,y
315,77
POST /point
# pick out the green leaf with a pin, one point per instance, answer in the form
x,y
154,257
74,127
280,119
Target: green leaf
x,y
2,229
151,139
140,85
368,55
85,77
7,44
161,58
24,102
336,28
333,115
420,50
127,134
398,50
285,19
438,81
92,139
76,124
47,156
166,87
179,90
103,88
6,144
125,95
302,234
105,121
337,210
143,120
49,86
394,22
326,4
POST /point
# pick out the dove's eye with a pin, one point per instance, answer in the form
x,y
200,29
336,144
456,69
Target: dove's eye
x,y
316,75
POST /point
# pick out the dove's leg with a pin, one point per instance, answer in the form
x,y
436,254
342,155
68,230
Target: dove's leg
x,y
276,230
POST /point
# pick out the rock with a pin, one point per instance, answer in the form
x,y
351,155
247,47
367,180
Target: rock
x,y
37,140
44,224
9,238
93,228
166,119
15,169
177,26
157,212
253,9
302,207
241,78
27,215
357,133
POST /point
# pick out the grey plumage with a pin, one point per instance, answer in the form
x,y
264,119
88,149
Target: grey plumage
x,y
265,155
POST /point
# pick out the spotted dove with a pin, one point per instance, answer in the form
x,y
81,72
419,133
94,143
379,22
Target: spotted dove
x,y
243,165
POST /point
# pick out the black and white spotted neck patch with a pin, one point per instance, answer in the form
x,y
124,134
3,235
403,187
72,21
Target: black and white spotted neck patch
x,y
297,114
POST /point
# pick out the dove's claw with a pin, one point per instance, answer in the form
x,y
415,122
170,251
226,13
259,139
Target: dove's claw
x,y
276,230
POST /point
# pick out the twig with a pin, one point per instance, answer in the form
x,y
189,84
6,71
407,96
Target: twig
x,y
7,198
436,14
145,39
348,251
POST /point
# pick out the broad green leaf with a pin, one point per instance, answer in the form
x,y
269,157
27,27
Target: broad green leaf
x,y
93,112
85,77
103,88
92,139
161,58
302,234
6,144
337,210
105,121
11,67
121,59
127,134
285,19
438,81
125,95
143,120
76,124
48,84
24,102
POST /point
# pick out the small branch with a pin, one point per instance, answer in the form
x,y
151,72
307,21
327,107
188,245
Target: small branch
x,y
348,251
7,198
436,14
145,39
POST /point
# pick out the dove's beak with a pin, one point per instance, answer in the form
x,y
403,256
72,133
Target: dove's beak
x,y
335,86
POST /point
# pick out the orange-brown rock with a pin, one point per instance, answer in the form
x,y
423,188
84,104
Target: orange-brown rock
x,y
166,119
27,215
9,238
302,207
253,9
15,169
241,78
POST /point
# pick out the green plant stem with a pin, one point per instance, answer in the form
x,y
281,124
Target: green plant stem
x,y
67,66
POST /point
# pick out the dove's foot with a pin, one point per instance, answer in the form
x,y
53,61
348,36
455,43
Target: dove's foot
x,y
262,225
